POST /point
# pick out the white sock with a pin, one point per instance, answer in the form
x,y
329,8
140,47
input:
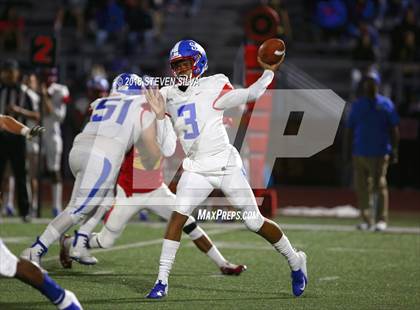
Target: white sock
x,y
57,195
285,248
58,226
11,193
90,225
197,233
217,257
167,258
93,241
105,239
49,236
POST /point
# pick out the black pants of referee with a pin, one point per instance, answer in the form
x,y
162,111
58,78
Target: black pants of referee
x,y
13,149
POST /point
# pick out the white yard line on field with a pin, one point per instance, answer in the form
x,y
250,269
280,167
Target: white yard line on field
x,y
324,227
358,250
239,245
18,220
16,239
310,227
144,243
333,278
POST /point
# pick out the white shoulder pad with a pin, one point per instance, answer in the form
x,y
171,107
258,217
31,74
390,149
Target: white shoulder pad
x,y
220,79
95,102
216,81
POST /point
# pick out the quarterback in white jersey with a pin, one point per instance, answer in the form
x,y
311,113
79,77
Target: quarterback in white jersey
x,y
96,157
196,112
199,125
54,100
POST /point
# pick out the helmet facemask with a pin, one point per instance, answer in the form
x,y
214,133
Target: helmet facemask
x,y
188,50
183,69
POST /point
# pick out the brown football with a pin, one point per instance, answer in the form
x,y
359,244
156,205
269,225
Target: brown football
x,y
272,50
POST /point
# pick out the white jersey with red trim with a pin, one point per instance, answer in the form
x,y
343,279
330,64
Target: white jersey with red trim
x,y
199,125
59,98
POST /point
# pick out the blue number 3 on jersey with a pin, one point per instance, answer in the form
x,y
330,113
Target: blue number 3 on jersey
x,y
189,120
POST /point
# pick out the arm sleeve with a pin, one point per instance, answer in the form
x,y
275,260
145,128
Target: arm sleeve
x,y
60,111
393,115
146,118
236,97
165,136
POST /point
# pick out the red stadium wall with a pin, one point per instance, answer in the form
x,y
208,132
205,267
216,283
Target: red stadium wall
x,y
401,200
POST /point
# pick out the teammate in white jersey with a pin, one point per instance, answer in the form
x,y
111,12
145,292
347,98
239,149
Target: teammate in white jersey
x,y
55,97
140,185
25,271
96,157
32,146
196,111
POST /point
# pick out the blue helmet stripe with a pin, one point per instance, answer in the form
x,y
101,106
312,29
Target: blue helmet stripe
x,y
190,48
127,84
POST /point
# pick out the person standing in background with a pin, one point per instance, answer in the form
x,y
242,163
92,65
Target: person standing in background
x,y
30,86
54,98
30,81
372,128
96,87
15,101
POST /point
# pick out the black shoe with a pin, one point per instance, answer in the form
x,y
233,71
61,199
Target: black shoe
x,y
27,218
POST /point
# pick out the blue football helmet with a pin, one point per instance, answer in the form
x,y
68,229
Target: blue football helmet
x,y
189,49
374,75
127,84
98,83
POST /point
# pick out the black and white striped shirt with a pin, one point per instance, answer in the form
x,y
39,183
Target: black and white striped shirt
x,y
18,95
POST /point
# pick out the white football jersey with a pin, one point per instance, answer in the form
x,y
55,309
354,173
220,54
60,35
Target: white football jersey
x,y
199,125
32,145
118,118
59,96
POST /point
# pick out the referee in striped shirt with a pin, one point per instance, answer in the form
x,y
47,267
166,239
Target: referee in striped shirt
x,y
15,101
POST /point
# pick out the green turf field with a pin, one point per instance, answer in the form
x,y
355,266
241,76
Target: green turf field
x,y
347,270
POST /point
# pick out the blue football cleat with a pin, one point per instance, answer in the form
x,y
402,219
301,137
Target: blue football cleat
x,y
70,302
300,277
55,212
10,211
143,216
159,291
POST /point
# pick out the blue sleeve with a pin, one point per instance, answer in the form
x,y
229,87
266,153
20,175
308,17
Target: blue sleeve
x,y
393,117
